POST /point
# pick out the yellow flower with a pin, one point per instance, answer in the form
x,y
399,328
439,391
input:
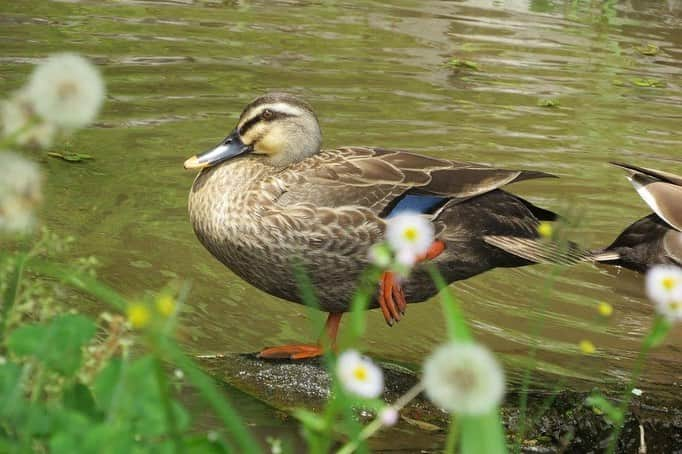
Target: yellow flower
x,y
605,309
587,347
545,230
165,305
138,315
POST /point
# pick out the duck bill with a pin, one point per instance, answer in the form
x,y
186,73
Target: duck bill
x,y
230,147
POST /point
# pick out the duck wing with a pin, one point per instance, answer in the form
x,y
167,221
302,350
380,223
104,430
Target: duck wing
x,y
389,181
662,191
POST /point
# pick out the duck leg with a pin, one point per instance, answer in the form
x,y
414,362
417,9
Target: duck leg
x,y
302,351
391,295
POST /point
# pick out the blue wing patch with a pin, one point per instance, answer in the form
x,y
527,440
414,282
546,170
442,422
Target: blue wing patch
x,y
417,203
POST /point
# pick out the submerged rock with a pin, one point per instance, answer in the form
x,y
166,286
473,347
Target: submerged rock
x,y
567,425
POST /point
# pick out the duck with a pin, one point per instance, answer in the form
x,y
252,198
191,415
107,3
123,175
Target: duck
x,y
268,200
655,239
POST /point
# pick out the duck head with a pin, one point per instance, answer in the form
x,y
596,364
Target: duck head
x,y
279,126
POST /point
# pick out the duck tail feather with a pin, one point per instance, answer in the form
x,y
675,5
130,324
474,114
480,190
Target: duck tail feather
x,y
540,251
604,256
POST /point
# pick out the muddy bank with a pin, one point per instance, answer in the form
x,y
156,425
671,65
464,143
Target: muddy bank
x,y
568,425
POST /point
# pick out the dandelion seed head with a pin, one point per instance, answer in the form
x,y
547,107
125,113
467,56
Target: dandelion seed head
x,y
66,90
463,378
20,192
19,121
359,375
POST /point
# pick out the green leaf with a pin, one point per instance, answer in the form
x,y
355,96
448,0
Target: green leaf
x,y
57,344
311,420
79,398
456,63
548,103
130,392
482,434
659,331
603,406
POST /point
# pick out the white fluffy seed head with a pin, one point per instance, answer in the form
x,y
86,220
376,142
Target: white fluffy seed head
x,y
409,233
19,121
66,90
359,375
20,192
463,378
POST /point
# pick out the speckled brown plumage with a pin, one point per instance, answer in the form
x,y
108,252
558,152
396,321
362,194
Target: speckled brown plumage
x,y
325,211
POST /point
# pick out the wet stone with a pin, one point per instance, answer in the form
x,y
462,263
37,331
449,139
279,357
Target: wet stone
x,y
568,425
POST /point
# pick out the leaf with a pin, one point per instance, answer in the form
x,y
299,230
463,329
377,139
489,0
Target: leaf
x,y
610,411
79,398
311,420
70,157
648,50
548,103
648,83
482,434
57,344
456,63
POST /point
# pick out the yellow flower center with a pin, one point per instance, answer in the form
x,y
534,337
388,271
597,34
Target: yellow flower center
x,y
165,305
668,283
138,316
360,373
675,305
410,234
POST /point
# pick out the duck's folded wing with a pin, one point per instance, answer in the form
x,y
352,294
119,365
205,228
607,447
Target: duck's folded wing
x,y
662,191
382,180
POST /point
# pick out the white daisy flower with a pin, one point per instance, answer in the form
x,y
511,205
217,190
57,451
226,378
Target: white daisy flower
x,y
662,282
19,120
20,192
409,232
463,378
359,375
67,90
671,308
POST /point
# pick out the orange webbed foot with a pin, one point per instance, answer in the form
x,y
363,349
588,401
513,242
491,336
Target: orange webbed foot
x,y
391,298
391,295
295,351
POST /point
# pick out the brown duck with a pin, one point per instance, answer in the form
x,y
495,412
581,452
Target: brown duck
x,y
657,238
268,199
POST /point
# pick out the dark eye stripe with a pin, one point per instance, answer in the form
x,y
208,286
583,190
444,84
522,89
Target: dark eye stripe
x,y
258,118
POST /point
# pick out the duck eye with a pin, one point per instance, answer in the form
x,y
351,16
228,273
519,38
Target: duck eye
x,y
267,114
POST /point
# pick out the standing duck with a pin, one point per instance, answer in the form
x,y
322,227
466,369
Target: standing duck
x,y
268,199
657,238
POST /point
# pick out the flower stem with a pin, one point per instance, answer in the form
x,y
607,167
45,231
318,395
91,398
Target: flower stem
x,y
532,356
453,436
373,427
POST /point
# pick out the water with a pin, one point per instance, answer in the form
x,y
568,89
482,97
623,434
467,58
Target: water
x,y
179,73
